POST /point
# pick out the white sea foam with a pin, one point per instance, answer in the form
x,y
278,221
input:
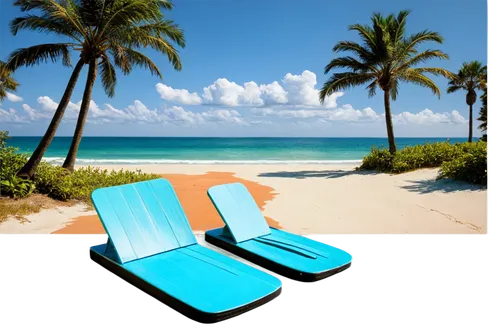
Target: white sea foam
x,y
60,160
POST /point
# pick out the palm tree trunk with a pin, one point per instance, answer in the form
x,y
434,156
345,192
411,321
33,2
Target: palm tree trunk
x,y
388,122
69,163
28,170
470,123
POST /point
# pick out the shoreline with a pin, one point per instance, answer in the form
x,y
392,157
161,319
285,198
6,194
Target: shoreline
x,y
317,199
131,162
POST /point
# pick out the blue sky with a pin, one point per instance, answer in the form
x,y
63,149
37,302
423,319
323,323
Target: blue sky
x,y
252,68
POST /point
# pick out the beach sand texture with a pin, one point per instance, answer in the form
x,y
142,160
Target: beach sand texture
x,y
307,199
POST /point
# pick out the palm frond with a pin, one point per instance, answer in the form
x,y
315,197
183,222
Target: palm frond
x,y
423,36
400,25
141,60
166,29
108,76
454,88
360,51
340,81
120,58
472,75
7,82
384,47
126,14
394,89
37,54
158,44
44,24
412,76
423,57
372,88
366,34
435,71
483,112
166,4
64,11
350,63
26,5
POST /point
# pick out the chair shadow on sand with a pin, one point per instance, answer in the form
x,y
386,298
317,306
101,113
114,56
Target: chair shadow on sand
x,y
316,173
441,185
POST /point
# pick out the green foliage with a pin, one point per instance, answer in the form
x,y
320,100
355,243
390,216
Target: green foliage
x,y
16,187
60,184
461,161
57,182
386,57
483,112
10,163
7,82
471,166
4,136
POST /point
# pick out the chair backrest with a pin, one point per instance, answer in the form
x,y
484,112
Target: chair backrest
x,y
143,219
239,211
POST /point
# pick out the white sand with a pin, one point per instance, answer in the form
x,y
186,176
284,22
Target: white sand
x,y
44,222
334,198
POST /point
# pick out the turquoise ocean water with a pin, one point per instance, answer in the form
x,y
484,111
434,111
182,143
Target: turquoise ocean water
x,y
150,150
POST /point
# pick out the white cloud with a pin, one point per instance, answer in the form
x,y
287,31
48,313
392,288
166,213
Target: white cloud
x,y
294,91
13,98
137,112
347,113
47,107
181,96
10,116
427,116
302,90
263,110
224,116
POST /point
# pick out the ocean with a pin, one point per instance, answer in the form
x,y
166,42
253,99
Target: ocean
x,y
169,150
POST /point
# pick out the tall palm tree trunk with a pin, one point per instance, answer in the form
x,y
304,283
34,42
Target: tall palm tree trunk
x,y
28,170
69,163
470,123
388,122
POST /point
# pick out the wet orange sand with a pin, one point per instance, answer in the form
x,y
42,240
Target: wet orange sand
x,y
192,193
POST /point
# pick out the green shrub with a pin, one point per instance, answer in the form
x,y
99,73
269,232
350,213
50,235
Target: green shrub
x,y
4,136
471,166
10,163
379,159
461,161
59,184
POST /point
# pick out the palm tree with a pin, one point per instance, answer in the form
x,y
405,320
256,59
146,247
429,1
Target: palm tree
x,y
107,34
385,58
7,82
471,76
483,112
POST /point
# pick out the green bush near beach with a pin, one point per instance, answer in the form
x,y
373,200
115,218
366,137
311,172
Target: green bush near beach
x,y
57,182
460,161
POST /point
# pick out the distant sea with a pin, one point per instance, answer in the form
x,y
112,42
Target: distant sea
x,y
161,150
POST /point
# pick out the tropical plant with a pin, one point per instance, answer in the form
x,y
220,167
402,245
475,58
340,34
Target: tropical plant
x,y
107,34
7,82
470,77
4,136
386,57
483,112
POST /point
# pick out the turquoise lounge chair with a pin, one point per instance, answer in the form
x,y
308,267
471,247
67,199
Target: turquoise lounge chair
x,y
151,245
247,235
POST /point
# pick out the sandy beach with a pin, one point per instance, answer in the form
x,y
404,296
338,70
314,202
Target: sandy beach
x,y
304,199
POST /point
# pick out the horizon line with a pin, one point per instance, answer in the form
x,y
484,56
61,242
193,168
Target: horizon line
x,y
251,137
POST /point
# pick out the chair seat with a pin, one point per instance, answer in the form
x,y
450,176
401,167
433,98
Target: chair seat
x,y
303,258
203,279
